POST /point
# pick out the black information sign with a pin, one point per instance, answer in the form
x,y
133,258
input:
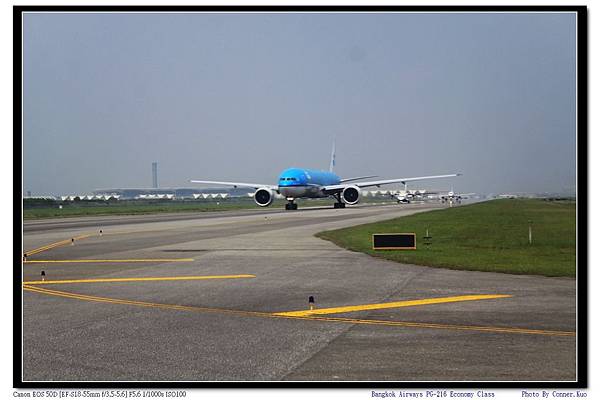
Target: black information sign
x,y
394,241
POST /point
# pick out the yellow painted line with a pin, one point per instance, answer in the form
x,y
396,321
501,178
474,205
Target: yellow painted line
x,y
165,278
422,325
492,329
111,261
49,246
56,244
139,303
396,304
68,241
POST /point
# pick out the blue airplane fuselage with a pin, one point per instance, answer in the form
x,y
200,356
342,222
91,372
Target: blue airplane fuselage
x,y
298,182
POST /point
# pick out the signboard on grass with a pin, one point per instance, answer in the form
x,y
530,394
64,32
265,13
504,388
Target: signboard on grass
x,y
394,241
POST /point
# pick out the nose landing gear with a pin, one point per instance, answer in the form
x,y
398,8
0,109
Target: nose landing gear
x,y
291,205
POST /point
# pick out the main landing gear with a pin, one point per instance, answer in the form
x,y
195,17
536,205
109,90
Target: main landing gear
x,y
340,203
291,205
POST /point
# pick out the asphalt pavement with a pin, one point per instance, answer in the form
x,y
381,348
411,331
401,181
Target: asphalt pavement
x,y
211,296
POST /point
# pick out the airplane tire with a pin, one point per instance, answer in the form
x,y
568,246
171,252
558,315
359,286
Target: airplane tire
x,y
339,205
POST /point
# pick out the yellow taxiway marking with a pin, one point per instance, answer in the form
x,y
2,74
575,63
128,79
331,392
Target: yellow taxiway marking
x,y
56,244
422,325
492,329
165,278
137,303
68,241
396,304
112,261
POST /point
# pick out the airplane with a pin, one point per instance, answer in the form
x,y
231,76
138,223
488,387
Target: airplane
x,y
453,197
406,196
297,183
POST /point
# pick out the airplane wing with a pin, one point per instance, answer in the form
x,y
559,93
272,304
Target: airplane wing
x,y
237,184
432,192
338,188
357,178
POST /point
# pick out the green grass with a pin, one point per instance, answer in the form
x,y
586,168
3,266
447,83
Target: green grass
x,y
135,207
79,210
489,236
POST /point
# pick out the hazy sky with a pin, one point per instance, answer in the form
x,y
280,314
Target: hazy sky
x,y
244,96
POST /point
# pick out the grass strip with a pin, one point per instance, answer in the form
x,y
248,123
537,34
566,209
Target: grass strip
x,y
490,236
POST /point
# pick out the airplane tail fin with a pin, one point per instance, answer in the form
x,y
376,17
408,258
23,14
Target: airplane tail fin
x,y
332,162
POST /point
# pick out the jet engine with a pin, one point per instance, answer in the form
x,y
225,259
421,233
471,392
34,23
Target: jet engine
x,y
264,197
351,195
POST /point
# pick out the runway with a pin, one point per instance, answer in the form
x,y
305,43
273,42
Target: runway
x,y
224,297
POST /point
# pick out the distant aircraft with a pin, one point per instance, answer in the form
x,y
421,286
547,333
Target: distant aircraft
x,y
403,197
453,197
296,183
406,196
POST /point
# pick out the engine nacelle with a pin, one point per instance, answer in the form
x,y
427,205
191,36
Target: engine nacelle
x,y
351,195
264,197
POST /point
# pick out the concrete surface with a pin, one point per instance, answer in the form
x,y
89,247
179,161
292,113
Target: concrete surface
x,y
72,337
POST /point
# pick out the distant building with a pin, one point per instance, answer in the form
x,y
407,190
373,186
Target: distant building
x,y
155,175
171,193
39,198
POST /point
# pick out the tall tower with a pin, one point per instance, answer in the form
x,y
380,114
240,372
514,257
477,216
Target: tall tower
x,y
155,175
